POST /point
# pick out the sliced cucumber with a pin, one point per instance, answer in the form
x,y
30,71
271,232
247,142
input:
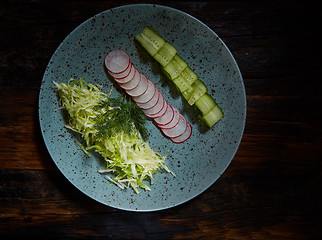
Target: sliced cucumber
x,y
189,75
150,40
185,79
205,104
165,54
186,94
152,34
193,93
213,116
175,67
181,83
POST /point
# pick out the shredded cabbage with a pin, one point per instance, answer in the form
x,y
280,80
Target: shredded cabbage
x,y
129,158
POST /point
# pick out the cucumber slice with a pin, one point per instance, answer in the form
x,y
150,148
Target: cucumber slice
x,y
150,40
148,46
186,94
175,67
181,83
152,34
213,116
185,79
205,104
165,54
189,75
193,93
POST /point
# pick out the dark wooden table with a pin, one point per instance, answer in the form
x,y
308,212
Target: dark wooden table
x,y
271,190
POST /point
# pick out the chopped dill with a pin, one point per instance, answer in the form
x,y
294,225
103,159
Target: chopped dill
x,y
120,114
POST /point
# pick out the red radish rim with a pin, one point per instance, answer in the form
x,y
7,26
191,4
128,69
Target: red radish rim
x,y
124,85
185,139
149,84
166,126
180,135
141,105
171,124
126,78
165,131
162,111
119,50
163,124
159,97
121,75
140,82
175,123
155,114
155,105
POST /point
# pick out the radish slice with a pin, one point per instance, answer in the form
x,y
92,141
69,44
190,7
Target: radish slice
x,y
123,74
133,83
161,112
166,117
157,111
127,78
152,102
174,121
185,136
140,88
147,95
117,61
177,130
156,108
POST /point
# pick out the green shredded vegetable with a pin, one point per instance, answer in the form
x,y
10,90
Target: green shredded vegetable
x,y
113,127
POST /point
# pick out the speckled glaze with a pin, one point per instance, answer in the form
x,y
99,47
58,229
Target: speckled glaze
x,y
198,162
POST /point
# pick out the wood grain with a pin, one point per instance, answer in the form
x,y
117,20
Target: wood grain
x,y
272,188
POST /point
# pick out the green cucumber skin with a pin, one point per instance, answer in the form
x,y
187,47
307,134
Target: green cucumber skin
x,y
181,83
210,112
205,104
186,78
175,67
165,54
189,75
146,45
195,92
150,31
150,40
212,117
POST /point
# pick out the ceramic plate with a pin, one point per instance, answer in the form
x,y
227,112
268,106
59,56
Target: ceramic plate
x,y
198,162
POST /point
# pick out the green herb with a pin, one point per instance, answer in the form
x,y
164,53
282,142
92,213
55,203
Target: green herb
x,y
121,115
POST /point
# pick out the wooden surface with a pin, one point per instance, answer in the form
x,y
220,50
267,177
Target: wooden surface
x,y
271,190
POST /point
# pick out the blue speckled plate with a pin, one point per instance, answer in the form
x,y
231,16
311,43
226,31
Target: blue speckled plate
x,y
198,162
